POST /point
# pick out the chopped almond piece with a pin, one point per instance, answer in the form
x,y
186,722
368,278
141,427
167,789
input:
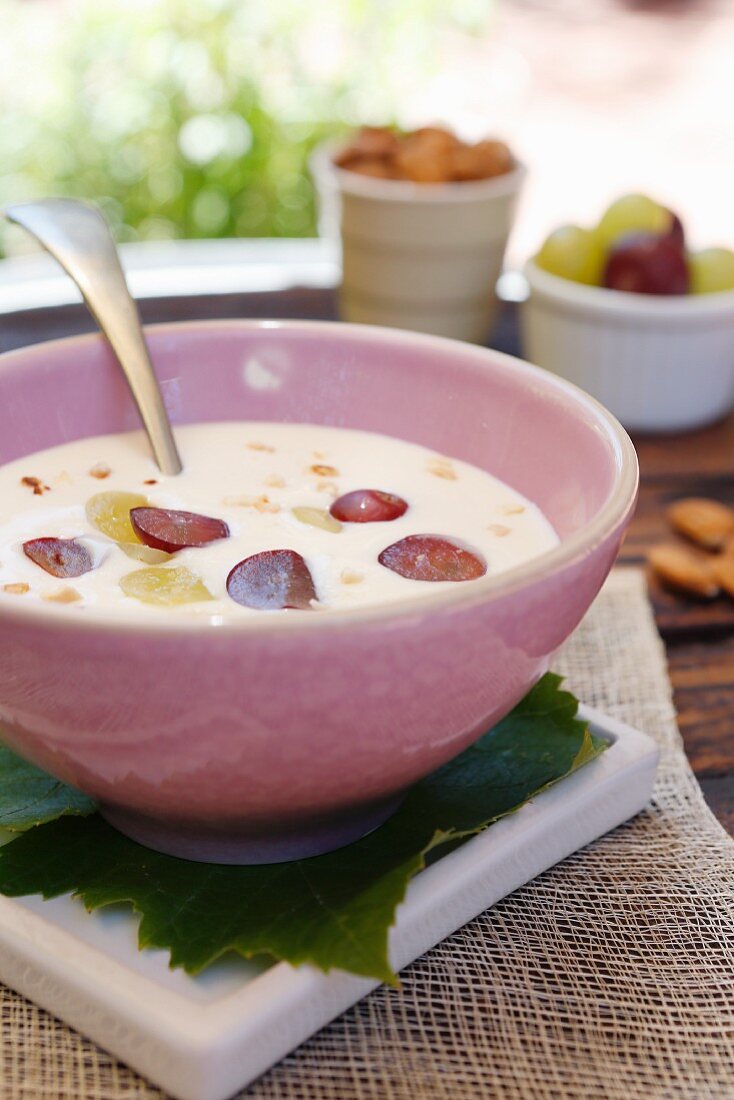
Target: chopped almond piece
x,y
513,509
705,522
328,487
351,576
260,504
260,447
275,481
264,504
100,471
499,530
324,471
442,467
18,588
683,570
62,595
36,485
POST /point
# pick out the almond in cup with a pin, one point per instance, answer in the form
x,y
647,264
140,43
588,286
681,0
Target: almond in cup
x,y
424,221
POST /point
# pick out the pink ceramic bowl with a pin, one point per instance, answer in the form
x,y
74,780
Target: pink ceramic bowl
x,y
269,740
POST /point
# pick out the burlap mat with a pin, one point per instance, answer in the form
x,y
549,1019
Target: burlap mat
x,y
612,975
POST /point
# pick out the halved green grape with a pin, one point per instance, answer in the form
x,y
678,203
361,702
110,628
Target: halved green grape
x,y
165,586
139,552
317,517
633,214
110,514
573,253
712,270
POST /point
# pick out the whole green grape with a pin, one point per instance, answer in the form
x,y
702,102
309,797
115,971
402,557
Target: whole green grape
x,y
573,253
633,214
712,270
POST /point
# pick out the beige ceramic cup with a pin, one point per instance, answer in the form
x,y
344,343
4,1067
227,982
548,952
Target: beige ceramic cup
x,y
420,256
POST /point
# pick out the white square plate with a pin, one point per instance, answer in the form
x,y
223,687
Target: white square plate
x,y
204,1038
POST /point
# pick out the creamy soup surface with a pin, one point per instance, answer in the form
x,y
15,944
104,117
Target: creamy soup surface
x,y
275,487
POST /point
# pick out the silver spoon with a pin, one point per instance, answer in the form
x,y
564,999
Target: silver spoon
x,y
77,235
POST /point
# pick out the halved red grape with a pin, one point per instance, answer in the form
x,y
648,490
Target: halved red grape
x,y
168,530
432,558
645,264
59,557
272,580
368,506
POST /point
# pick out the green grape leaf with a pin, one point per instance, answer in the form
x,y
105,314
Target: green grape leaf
x,y
30,797
335,910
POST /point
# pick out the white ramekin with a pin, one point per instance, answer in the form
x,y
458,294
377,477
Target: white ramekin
x,y
420,256
658,363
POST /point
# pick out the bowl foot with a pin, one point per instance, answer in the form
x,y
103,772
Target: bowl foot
x,y
243,846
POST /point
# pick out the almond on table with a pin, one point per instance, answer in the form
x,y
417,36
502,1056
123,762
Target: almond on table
x,y
705,522
685,571
723,570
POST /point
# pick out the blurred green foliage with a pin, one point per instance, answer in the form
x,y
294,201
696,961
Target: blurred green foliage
x,y
195,118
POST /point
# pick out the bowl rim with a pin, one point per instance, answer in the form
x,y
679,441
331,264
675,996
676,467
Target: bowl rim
x,y
674,308
457,597
323,169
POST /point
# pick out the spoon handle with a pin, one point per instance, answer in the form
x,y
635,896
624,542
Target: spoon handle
x,y
76,234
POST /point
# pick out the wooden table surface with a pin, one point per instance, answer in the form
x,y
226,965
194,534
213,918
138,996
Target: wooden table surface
x,y
699,637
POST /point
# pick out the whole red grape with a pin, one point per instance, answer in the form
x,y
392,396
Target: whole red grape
x,y
368,506
646,264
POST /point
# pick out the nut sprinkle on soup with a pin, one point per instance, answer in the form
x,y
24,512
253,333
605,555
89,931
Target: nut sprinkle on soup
x,y
350,519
